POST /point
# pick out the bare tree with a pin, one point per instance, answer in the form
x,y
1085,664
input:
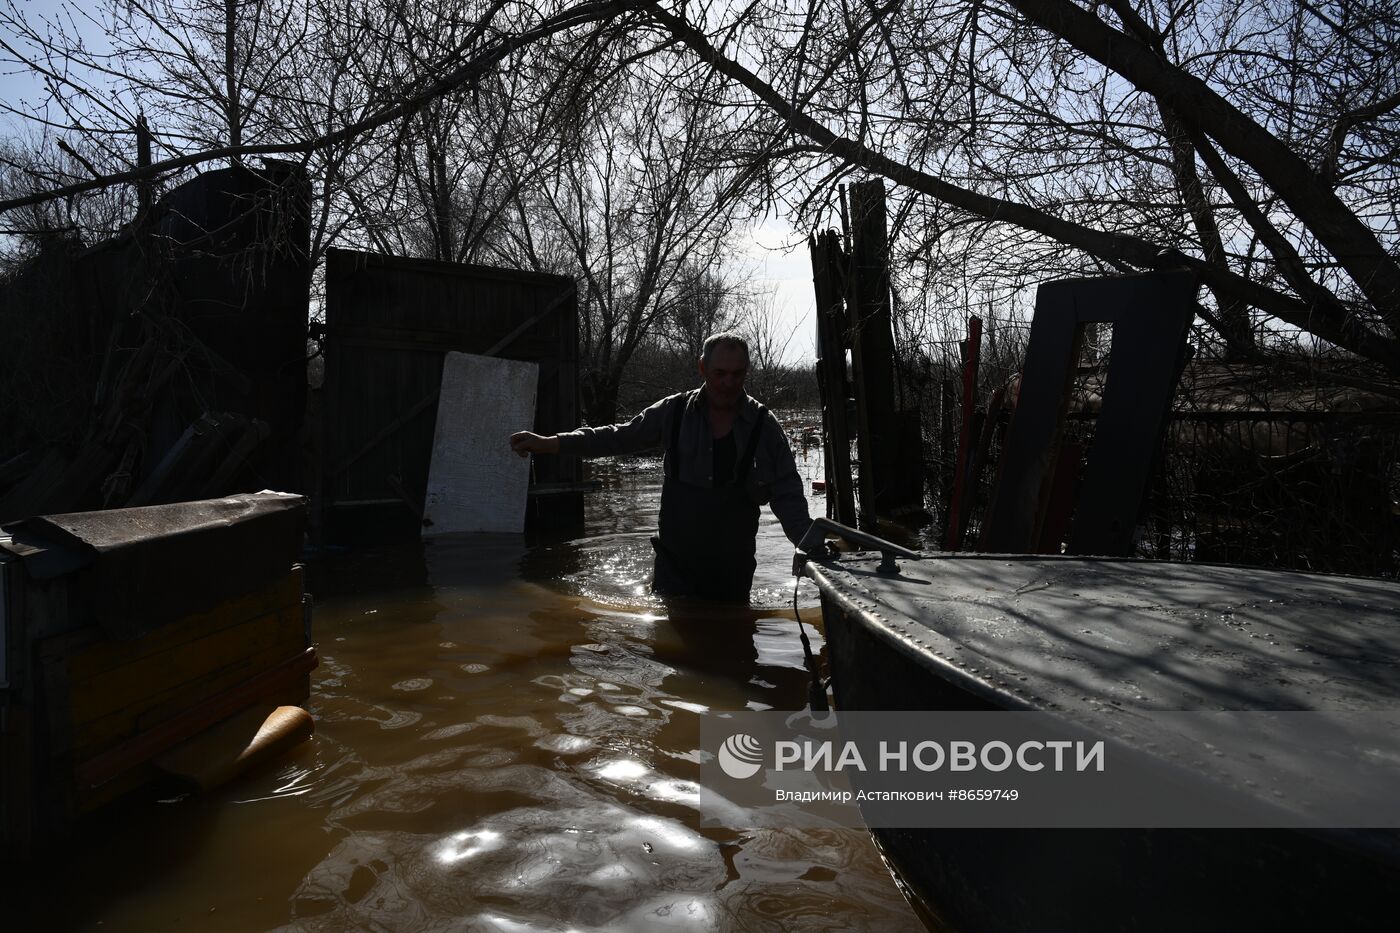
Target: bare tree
x,y
645,212
444,183
1253,141
1035,137
769,337
704,301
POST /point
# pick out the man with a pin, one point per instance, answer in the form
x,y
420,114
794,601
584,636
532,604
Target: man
x,y
725,456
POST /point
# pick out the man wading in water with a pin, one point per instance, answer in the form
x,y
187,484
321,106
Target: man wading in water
x,y
725,456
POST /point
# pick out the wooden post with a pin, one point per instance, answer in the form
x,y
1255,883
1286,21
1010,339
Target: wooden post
x,y
831,378
872,352
143,159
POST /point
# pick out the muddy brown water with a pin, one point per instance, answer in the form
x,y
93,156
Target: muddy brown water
x,y
506,740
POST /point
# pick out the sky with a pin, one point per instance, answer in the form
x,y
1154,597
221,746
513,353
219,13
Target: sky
x,y
784,266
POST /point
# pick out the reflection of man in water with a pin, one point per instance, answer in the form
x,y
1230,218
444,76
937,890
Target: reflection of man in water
x,y
725,456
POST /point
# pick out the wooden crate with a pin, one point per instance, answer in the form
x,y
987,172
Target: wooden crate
x,y
86,706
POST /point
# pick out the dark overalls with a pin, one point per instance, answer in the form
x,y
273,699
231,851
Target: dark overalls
x,y
705,544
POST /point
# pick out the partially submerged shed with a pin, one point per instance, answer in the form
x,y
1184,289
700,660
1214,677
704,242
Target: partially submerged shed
x,y
165,364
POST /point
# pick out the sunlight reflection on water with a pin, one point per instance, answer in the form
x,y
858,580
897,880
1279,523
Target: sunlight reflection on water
x,y
506,740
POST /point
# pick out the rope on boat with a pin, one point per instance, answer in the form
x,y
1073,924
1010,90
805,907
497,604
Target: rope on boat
x,y
816,687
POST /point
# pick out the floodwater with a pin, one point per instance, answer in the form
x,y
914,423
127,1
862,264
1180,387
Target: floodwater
x,y
506,740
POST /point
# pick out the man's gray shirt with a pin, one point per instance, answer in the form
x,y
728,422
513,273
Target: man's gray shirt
x,y
774,469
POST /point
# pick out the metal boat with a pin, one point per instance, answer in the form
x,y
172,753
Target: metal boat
x,y
1091,638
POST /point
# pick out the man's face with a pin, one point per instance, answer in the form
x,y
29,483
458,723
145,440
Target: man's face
x,y
724,374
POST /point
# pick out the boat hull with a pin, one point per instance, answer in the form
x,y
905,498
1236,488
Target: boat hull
x,y
1088,879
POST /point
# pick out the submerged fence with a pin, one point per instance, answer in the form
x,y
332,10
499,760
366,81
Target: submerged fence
x,y
1306,490
1302,490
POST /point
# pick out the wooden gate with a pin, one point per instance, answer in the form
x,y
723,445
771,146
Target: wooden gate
x,y
389,323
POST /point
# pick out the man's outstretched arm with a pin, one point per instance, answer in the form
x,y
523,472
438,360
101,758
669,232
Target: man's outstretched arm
x,y
643,432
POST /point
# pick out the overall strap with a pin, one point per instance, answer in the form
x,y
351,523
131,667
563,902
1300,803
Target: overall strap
x,y
741,472
673,450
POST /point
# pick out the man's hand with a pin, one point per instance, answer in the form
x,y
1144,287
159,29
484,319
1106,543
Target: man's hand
x,y
526,443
